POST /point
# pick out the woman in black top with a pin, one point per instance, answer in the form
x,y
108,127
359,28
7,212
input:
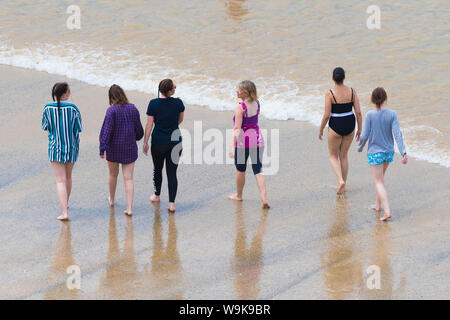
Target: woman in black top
x,y
166,113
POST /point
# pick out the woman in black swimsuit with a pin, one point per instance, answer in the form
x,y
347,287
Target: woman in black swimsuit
x,y
341,125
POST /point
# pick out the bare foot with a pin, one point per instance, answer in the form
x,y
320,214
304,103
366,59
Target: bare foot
x,y
155,198
234,196
341,188
374,207
111,203
128,213
63,217
385,217
171,208
266,205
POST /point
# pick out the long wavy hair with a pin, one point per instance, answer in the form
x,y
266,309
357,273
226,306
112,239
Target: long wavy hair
x,y
117,96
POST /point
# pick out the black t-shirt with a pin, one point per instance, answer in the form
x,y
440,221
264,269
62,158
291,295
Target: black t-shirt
x,y
166,113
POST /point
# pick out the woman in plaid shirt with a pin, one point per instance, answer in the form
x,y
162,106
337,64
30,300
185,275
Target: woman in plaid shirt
x,y
121,129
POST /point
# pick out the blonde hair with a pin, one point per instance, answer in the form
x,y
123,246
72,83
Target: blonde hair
x,y
250,89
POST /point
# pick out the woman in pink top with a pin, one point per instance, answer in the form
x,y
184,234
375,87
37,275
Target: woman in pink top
x,y
247,141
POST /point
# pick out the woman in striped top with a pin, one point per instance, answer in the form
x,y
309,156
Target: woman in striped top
x,y
62,121
121,129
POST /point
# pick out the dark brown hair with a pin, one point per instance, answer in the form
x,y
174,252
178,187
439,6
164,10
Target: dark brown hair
x,y
378,97
165,86
59,89
338,75
117,96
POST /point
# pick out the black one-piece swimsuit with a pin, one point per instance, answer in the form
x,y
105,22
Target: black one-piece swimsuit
x,y
342,125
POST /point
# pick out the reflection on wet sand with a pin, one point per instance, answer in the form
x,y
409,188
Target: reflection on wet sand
x,y
248,262
235,9
343,268
63,259
120,280
165,279
380,257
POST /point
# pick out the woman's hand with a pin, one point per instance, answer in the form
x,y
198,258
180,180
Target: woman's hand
x,y
405,159
145,149
102,156
358,135
231,152
320,134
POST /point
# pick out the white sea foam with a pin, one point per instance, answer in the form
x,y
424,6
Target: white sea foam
x,y
281,99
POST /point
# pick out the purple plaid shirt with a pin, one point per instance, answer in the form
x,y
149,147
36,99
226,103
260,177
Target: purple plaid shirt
x,y
121,129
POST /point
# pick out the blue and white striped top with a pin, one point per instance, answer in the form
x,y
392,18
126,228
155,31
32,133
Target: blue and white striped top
x,y
63,126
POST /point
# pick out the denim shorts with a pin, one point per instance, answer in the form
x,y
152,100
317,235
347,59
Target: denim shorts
x,y
376,159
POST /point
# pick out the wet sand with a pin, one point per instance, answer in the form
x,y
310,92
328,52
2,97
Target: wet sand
x,y
310,245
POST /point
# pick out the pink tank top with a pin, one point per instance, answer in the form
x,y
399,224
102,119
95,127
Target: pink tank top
x,y
249,136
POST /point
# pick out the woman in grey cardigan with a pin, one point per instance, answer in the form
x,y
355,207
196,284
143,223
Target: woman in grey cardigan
x,y
380,128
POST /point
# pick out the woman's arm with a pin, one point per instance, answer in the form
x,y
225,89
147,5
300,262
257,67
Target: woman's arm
x,y
106,132
238,117
398,135
138,126
365,134
78,123
358,116
181,118
45,123
148,131
326,114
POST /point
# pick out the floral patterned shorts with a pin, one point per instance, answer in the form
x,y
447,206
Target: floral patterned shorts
x,y
376,159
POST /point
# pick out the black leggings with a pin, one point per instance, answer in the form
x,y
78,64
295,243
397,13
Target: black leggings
x,y
241,157
161,153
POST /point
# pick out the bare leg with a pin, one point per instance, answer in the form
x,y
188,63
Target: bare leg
x,y
343,154
261,182
61,188
127,171
69,167
240,182
377,205
385,167
171,207
334,147
378,177
155,198
113,168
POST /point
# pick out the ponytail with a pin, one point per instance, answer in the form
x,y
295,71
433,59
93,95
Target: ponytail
x,y
165,86
59,89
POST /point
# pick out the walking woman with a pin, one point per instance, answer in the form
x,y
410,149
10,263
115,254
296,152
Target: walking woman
x,y
380,128
62,120
247,141
165,113
341,125
121,129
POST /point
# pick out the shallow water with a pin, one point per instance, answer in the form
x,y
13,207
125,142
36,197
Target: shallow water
x,y
287,47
